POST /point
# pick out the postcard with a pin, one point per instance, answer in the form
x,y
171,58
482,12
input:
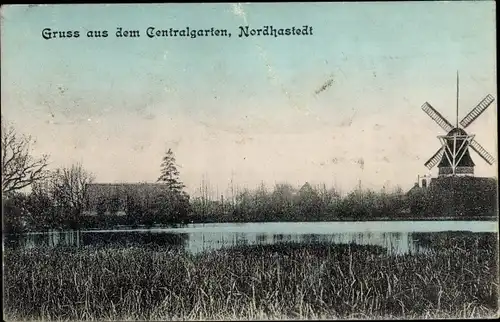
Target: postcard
x,y
249,161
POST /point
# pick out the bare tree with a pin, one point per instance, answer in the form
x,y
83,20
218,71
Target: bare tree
x,y
70,187
19,168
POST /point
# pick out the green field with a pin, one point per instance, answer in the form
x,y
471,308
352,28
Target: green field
x,y
251,282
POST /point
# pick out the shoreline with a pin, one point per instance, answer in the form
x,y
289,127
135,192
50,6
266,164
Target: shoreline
x,y
184,225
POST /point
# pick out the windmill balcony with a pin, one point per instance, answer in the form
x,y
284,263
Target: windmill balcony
x,y
459,171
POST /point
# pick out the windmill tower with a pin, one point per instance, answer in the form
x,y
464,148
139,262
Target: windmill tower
x,y
453,158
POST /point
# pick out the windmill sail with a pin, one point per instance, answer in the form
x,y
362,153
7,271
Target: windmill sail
x,y
476,111
482,152
434,159
438,118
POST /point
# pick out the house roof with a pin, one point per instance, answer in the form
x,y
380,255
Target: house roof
x,y
415,188
112,188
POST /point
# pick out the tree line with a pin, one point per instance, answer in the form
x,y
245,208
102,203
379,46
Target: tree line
x,y
285,202
59,197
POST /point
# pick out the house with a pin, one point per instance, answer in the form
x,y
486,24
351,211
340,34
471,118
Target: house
x,y
115,197
415,189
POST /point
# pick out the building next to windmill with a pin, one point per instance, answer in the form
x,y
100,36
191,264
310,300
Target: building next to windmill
x,y
456,191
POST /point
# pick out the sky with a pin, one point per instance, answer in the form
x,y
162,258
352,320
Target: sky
x,y
250,110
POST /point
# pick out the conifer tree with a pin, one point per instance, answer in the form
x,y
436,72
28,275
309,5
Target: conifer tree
x,y
170,174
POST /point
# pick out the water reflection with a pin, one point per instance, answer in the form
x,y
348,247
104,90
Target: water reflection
x,y
204,238
394,243
85,238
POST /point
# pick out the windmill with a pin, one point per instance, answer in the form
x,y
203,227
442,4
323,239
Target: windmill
x,y
453,158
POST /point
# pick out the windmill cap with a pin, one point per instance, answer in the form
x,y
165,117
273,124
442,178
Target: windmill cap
x,y
457,131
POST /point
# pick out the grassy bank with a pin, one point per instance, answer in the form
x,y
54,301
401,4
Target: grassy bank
x,y
261,282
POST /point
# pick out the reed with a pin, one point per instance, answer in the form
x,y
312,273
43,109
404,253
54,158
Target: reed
x,y
281,281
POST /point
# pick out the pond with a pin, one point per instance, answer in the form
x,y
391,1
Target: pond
x,y
397,237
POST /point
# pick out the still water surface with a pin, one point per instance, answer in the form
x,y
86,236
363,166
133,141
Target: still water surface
x,y
397,237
